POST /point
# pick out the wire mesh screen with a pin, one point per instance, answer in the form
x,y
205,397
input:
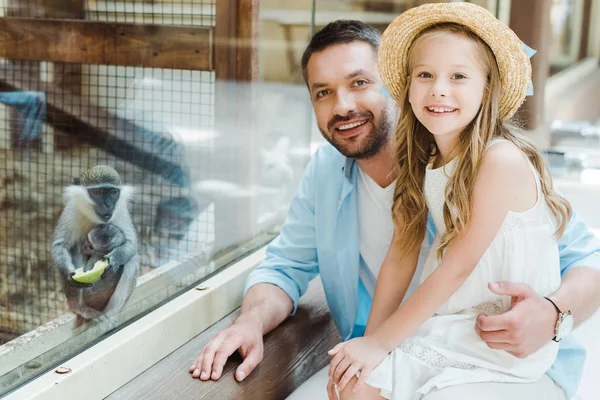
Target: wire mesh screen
x,y
56,120
163,12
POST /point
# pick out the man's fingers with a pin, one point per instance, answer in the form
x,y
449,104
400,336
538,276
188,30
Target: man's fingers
x,y
195,371
218,364
195,364
498,337
227,348
208,356
195,368
499,322
252,359
501,346
511,289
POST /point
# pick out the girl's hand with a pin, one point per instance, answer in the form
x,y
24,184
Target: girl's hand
x,y
360,354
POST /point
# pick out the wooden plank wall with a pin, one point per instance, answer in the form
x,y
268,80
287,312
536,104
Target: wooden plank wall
x,y
91,42
230,48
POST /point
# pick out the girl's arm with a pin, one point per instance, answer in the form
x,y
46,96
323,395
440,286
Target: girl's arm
x,y
501,181
393,280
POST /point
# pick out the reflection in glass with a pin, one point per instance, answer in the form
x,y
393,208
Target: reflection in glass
x,y
214,162
565,22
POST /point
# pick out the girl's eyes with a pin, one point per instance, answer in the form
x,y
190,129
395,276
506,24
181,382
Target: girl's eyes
x,y
360,82
427,75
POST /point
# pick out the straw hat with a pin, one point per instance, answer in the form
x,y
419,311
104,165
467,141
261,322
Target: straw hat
x,y
513,61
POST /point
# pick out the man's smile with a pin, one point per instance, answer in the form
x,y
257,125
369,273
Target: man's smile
x,y
348,129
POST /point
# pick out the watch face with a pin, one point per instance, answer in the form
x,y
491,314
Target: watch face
x,y
565,326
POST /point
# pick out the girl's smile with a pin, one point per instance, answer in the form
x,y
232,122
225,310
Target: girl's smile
x,y
438,110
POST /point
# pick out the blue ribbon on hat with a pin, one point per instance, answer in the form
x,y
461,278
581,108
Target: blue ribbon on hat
x,y
530,52
385,92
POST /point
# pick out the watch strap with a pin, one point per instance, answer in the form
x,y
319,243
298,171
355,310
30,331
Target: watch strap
x,y
554,304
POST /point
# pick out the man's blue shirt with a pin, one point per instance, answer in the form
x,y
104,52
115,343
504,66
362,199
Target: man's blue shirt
x,y
320,236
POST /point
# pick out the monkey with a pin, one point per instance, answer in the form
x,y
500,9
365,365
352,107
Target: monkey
x,y
100,241
97,197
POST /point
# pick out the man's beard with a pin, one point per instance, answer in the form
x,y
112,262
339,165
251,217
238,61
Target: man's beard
x,y
370,145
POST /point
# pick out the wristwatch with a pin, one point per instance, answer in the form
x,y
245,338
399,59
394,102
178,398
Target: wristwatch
x,y
564,322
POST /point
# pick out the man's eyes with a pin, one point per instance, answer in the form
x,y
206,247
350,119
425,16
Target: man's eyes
x,y
360,82
321,93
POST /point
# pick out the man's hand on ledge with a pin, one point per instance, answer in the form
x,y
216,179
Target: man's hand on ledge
x,y
245,335
525,328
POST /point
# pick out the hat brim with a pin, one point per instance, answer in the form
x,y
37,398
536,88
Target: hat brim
x,y
512,59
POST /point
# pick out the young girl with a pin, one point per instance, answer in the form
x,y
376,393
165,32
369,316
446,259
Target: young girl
x,y
458,75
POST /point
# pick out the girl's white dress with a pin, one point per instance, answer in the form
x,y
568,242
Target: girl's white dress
x,y
447,350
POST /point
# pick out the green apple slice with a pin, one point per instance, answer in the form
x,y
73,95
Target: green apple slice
x,y
93,274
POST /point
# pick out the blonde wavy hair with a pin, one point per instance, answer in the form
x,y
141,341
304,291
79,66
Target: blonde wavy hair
x,y
415,147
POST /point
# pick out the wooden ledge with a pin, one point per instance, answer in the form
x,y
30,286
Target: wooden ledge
x,y
106,43
293,352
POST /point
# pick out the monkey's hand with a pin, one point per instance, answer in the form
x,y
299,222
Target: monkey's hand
x,y
110,270
75,284
119,257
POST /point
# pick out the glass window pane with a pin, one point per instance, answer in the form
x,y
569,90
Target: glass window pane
x,y
200,116
565,22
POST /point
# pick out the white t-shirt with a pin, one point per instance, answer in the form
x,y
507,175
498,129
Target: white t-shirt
x,y
374,221
376,230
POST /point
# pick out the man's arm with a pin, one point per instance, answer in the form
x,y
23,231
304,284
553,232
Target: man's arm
x,y
264,307
268,305
578,293
580,268
272,290
530,322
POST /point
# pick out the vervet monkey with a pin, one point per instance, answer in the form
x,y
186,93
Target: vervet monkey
x,y
101,240
97,197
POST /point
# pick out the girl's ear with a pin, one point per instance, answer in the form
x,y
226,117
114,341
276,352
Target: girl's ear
x,y
408,84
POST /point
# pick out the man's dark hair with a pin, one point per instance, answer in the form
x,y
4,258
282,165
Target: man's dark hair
x,y
339,32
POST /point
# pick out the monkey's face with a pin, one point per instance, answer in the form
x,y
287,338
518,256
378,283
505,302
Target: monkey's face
x,y
105,198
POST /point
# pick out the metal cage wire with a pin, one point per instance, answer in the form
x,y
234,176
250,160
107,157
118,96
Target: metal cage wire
x,y
58,119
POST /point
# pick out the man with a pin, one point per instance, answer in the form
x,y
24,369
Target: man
x,y
340,226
